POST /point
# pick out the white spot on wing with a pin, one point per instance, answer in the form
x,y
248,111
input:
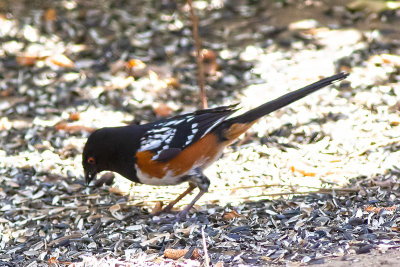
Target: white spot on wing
x,y
150,145
173,122
190,138
213,126
156,138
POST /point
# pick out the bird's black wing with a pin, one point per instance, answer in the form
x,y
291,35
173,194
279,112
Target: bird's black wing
x,y
166,138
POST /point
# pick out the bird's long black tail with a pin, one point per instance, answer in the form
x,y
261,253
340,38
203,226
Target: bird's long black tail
x,y
284,100
234,127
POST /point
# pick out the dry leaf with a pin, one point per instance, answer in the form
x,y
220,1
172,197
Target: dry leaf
x,y
62,61
114,208
5,124
135,63
230,215
174,254
346,69
378,209
210,61
195,254
53,261
208,54
6,93
63,126
385,59
136,68
50,14
158,260
27,60
391,59
157,208
162,110
74,116
173,82
304,173
117,191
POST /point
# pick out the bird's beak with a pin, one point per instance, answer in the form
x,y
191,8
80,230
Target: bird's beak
x,y
90,176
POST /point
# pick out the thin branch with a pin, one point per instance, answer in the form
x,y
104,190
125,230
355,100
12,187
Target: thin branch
x,y
199,57
206,257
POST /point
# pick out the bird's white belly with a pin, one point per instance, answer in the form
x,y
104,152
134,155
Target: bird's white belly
x,y
168,179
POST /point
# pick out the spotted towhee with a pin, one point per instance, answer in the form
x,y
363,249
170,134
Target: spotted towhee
x,y
176,150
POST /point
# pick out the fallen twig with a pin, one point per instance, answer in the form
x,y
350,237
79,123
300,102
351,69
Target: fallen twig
x,y
206,257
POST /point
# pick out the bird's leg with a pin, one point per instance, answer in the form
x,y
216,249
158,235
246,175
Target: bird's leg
x,y
182,214
198,179
172,203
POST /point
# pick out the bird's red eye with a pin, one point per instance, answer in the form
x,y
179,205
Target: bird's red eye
x,y
91,160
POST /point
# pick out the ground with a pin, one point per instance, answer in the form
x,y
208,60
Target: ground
x,y
316,182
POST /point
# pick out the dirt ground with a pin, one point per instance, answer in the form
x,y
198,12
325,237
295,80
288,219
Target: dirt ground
x,y
375,258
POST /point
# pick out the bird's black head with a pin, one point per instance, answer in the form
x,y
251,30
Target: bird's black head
x,y
97,153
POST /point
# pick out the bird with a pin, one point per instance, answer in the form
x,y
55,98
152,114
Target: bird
x,y
175,150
